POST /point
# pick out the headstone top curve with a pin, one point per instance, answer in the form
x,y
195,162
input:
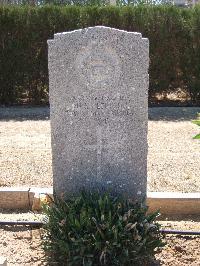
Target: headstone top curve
x,y
59,36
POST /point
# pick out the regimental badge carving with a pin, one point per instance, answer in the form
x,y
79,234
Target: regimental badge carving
x,y
98,66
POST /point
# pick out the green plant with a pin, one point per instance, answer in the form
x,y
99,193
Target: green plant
x,y
197,122
173,35
95,229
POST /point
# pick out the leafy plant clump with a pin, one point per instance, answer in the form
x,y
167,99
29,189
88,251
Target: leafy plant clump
x,y
98,229
197,122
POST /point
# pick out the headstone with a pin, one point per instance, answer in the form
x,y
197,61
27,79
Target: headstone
x,y
3,261
98,105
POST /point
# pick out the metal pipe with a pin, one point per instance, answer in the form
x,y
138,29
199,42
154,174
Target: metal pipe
x,y
179,232
40,224
30,223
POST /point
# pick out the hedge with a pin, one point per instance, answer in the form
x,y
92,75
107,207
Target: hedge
x,y
174,35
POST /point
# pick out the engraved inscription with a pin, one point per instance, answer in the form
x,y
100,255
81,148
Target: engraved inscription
x,y
100,108
98,66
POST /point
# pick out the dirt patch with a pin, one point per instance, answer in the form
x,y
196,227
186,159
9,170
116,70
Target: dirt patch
x,y
21,245
177,98
180,251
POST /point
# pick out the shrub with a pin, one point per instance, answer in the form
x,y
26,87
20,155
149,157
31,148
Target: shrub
x,y
94,229
197,122
24,30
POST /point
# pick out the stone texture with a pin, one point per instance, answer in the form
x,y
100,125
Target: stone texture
x,y
98,107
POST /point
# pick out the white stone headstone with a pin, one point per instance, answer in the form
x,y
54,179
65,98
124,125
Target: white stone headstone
x,y
3,261
98,104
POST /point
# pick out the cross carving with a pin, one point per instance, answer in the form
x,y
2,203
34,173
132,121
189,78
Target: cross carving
x,y
98,147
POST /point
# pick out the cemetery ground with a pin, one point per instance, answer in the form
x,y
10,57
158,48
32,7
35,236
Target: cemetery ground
x,y
173,165
22,245
173,156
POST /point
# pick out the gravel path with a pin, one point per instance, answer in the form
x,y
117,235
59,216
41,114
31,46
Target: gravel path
x,y
173,158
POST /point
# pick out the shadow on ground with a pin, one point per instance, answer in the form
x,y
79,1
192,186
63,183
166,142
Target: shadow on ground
x,y
22,113
175,114
186,218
